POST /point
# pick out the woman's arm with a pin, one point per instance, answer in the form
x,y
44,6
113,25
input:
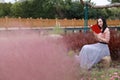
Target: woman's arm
x,y
104,37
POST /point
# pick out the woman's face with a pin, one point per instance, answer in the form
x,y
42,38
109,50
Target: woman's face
x,y
100,22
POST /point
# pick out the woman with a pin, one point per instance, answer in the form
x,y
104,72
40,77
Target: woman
x,y
93,53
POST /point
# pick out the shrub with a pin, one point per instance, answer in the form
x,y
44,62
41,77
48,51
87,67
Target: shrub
x,y
114,45
75,41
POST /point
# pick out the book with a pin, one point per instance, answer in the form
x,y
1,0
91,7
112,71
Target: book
x,y
96,28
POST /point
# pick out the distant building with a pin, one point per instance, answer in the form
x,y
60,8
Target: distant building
x,y
2,1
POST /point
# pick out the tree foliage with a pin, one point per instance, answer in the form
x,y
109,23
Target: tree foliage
x,y
113,1
5,9
54,9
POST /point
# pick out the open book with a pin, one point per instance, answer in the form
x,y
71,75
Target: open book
x,y
96,28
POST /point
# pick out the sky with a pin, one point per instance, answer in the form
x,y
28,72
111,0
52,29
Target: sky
x,y
98,2
10,1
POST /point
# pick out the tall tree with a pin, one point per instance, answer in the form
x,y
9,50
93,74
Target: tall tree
x,y
74,10
58,5
5,9
16,10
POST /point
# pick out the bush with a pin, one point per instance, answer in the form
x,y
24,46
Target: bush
x,y
114,45
75,41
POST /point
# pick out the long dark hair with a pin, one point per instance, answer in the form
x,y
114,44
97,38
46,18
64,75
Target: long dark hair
x,y
104,23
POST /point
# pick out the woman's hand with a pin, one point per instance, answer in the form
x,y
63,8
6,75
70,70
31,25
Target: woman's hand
x,y
90,26
99,35
101,38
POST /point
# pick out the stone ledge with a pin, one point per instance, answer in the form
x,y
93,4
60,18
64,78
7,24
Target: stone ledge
x,y
105,62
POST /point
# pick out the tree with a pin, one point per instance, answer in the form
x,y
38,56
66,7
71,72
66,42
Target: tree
x,y
43,8
5,9
27,10
115,13
16,10
58,6
74,10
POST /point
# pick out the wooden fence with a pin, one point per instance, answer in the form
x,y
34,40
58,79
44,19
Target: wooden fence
x,y
29,22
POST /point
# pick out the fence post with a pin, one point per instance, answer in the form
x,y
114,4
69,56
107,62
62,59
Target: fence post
x,y
19,19
6,22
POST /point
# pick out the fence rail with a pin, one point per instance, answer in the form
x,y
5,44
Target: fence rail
x,y
29,22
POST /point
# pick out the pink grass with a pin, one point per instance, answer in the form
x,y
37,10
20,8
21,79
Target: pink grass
x,y
30,56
